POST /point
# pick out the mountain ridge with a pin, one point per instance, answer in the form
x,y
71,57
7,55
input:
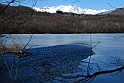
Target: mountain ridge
x,y
70,9
118,11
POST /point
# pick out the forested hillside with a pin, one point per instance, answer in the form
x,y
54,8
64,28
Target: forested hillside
x,y
21,19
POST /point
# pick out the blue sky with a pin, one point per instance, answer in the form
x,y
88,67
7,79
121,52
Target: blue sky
x,y
92,4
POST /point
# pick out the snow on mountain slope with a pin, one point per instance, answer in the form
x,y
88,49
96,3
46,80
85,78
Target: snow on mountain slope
x,y
105,12
69,8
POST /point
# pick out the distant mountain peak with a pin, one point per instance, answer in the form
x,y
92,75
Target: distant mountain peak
x,y
70,9
118,11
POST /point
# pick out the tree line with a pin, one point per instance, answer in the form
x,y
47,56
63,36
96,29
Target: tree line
x,y
14,20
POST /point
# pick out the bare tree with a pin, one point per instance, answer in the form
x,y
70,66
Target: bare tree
x,y
9,43
18,49
12,18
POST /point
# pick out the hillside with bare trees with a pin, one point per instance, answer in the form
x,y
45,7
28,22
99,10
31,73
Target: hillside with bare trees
x,y
14,20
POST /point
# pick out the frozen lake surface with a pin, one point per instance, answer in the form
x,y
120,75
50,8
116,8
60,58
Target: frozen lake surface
x,y
109,49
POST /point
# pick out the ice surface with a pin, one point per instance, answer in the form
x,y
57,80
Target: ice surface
x,y
45,63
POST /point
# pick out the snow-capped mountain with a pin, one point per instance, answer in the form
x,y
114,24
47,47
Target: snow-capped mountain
x,y
106,12
69,8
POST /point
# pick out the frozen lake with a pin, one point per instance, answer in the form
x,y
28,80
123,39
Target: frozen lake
x,y
109,49
111,46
